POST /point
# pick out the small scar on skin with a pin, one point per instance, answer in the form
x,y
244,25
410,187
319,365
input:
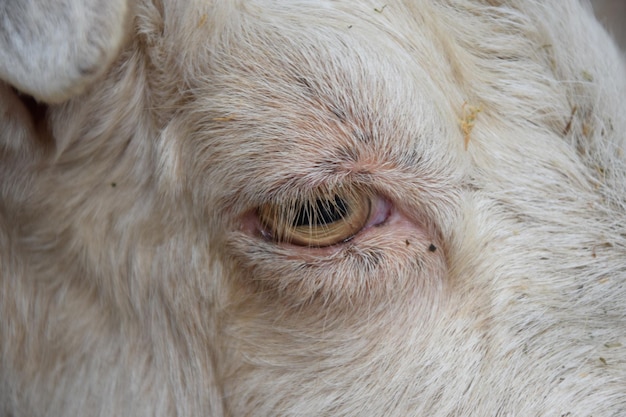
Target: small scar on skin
x,y
432,248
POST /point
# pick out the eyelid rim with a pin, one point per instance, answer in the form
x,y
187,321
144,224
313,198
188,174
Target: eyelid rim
x,y
323,232
378,210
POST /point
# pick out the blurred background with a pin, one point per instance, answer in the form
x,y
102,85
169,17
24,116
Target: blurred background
x,y
612,13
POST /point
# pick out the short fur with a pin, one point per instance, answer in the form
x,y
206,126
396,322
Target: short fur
x,y
134,281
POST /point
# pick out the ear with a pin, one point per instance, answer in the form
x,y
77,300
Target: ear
x,y
53,49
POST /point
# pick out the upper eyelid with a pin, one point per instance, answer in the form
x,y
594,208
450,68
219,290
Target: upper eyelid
x,y
277,223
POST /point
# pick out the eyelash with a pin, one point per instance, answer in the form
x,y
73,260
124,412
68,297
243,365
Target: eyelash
x,y
323,220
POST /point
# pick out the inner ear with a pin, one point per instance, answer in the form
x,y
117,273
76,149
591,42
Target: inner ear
x,y
36,110
24,120
37,113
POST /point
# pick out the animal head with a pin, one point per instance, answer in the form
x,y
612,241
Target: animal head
x,y
311,208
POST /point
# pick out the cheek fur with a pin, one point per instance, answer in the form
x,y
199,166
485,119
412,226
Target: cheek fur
x,y
399,255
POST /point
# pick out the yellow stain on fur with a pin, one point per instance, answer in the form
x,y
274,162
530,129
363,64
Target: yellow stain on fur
x,y
202,20
468,120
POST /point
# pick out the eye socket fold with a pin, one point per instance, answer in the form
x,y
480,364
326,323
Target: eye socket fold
x,y
320,221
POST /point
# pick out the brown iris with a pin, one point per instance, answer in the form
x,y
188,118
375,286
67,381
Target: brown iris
x,y
317,222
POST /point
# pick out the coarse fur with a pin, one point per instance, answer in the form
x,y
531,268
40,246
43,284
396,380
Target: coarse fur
x,y
135,279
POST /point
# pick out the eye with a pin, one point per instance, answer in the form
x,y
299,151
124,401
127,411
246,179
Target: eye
x,y
319,221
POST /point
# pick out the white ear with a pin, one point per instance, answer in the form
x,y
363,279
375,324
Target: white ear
x,y
53,49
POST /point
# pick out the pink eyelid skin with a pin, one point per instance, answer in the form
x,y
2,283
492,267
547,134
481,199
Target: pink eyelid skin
x,y
385,219
379,213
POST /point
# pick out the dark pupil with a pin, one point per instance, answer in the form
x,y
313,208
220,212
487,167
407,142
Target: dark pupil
x,y
324,212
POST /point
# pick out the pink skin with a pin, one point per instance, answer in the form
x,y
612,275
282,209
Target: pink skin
x,y
386,221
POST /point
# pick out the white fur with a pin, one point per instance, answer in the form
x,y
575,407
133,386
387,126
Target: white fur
x,y
134,282
52,49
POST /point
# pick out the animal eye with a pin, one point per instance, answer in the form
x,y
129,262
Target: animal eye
x,y
317,222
